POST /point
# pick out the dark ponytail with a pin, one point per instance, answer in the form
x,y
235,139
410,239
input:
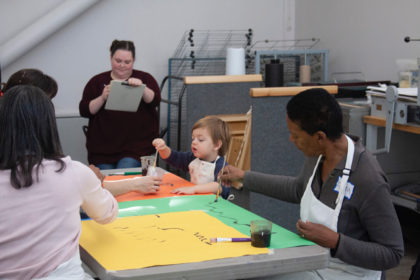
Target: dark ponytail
x,y
122,45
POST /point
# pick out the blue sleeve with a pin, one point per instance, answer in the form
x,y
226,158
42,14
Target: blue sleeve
x,y
219,165
180,160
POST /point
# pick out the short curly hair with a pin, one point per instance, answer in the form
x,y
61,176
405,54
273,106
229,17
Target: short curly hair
x,y
316,110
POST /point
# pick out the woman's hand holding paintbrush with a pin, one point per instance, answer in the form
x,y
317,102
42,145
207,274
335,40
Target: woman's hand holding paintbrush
x,y
232,176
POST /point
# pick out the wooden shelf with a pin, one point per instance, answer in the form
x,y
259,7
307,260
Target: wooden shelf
x,y
378,121
287,91
236,122
189,80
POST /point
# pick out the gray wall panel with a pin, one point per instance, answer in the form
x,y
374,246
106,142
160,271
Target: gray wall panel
x,y
273,153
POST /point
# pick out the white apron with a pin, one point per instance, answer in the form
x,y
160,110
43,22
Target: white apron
x,y
202,172
313,210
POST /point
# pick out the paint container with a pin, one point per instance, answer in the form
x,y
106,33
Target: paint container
x,y
146,161
260,233
155,171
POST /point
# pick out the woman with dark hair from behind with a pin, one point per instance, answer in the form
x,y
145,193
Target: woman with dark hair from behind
x,y
41,192
33,77
37,78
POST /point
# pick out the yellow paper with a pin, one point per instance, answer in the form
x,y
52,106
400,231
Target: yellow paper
x,y
163,239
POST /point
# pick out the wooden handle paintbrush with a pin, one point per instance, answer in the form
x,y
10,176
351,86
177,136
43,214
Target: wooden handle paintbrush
x,y
220,180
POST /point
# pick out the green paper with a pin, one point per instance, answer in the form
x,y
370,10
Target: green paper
x,y
227,212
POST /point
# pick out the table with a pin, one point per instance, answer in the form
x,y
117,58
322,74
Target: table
x,y
278,261
373,123
281,261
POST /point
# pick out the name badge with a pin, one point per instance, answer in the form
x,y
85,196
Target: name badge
x,y
349,188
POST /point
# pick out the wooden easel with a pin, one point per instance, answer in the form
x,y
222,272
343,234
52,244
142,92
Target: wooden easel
x,y
239,152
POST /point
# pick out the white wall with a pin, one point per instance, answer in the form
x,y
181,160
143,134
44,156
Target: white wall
x,y
362,35
81,48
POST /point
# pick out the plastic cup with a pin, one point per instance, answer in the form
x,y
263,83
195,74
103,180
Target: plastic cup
x,y
146,161
155,171
260,233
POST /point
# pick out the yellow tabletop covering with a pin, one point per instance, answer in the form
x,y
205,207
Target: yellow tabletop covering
x,y
161,239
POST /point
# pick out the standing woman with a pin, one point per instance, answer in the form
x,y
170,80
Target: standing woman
x,y
41,192
117,139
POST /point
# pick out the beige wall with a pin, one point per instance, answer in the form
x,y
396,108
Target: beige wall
x,y
362,35
79,50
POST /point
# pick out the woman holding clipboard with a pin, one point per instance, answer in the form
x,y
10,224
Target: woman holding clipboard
x,y
117,139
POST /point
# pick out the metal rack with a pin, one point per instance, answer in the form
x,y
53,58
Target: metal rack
x,y
211,43
292,59
199,53
296,44
203,52
292,54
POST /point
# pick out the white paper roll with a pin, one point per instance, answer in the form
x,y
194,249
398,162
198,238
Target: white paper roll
x,y
235,61
305,74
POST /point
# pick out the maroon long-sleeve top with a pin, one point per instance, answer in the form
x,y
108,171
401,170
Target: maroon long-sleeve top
x,y
113,135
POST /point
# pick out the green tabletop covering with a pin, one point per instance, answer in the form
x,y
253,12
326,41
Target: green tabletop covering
x,y
227,212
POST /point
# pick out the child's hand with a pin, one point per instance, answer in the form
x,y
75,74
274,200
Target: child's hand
x,y
162,148
184,190
159,144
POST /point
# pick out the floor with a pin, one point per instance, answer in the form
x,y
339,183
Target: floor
x,y
410,224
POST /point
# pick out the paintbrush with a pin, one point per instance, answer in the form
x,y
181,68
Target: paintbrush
x,y
156,154
229,239
220,180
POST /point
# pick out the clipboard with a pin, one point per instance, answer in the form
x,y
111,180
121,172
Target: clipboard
x,y
123,97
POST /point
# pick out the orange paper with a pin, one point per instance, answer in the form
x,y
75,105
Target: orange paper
x,y
169,182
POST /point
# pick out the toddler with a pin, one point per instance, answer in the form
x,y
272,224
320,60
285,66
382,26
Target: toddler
x,y
210,142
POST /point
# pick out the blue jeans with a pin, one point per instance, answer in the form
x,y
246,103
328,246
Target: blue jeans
x,y
126,162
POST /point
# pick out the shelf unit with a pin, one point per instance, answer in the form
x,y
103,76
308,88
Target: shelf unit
x,y
292,59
